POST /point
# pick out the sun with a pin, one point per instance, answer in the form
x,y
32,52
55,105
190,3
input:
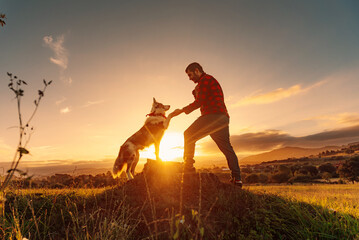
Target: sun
x,y
171,147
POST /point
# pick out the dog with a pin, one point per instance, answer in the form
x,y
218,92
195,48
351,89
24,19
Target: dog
x,y
151,133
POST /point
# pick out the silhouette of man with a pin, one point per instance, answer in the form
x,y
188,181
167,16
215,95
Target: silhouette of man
x,y
214,120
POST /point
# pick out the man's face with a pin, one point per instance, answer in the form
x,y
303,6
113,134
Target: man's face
x,y
194,76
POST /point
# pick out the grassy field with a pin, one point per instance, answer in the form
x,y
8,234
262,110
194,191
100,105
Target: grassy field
x,y
192,207
343,198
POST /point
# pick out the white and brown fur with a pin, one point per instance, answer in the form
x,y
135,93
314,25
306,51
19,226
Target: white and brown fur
x,y
151,133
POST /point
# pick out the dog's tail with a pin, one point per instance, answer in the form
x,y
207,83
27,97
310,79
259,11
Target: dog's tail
x,y
119,164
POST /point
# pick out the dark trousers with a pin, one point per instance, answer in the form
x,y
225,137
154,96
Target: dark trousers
x,y
217,126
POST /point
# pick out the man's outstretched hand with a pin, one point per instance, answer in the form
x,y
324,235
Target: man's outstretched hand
x,y
175,113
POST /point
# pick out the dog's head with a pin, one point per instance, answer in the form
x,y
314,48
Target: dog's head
x,y
159,108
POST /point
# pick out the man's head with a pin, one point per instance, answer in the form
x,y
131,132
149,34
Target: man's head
x,y
194,71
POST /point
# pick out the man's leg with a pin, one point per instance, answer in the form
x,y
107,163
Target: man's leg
x,y
202,127
221,138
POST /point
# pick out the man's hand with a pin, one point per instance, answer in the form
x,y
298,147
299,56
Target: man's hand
x,y
175,113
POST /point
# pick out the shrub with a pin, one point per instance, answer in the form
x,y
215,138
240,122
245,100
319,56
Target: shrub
x,y
350,169
284,169
327,167
246,170
300,178
252,178
280,177
312,170
263,178
327,176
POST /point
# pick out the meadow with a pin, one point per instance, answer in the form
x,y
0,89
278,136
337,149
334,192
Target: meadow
x,y
341,198
198,206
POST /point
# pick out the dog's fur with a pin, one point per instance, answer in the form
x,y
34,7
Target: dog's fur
x,y
151,133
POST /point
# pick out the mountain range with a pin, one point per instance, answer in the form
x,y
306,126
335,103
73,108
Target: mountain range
x,y
284,153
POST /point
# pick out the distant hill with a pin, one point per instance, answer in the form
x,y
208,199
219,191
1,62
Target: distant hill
x,y
284,153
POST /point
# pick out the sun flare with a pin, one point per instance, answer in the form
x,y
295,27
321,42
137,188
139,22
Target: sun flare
x,y
171,147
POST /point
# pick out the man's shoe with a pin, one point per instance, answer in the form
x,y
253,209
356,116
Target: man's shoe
x,y
237,183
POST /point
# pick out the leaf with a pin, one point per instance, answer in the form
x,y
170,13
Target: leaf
x,y
2,23
15,77
49,82
10,84
45,82
41,93
23,150
23,82
9,74
21,92
35,102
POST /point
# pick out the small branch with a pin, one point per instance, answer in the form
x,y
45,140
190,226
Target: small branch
x,y
21,150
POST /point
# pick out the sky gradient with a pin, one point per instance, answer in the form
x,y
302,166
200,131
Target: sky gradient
x,y
289,71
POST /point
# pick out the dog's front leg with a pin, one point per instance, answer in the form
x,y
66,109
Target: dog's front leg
x,y
167,121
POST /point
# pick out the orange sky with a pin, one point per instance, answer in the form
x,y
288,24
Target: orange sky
x,y
287,79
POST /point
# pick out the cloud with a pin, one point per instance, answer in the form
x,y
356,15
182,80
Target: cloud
x,y
275,95
340,118
67,80
65,110
57,46
272,139
90,103
58,102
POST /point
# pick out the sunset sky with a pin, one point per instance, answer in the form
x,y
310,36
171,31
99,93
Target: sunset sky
x,y
289,71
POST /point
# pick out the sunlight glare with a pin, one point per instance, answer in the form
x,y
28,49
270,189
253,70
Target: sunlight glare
x,y
171,147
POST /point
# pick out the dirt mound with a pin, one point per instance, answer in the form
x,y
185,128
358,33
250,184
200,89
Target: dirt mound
x,y
164,183
163,196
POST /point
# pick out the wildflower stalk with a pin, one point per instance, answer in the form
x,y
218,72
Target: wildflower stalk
x,y
15,85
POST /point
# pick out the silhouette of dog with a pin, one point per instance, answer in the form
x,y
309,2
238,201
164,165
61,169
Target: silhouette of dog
x,y
151,133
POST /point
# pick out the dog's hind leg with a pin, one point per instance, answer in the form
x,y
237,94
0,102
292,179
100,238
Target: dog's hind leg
x,y
119,163
133,166
128,170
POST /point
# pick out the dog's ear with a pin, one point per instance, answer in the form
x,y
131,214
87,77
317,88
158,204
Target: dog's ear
x,y
154,100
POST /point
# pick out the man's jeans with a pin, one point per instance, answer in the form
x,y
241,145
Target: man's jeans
x,y
217,126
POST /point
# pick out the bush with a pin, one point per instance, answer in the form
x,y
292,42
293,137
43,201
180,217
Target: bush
x,y
312,170
252,178
327,167
284,169
263,178
246,170
300,178
350,169
327,176
280,177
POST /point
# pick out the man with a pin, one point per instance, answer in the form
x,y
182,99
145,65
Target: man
x,y
214,120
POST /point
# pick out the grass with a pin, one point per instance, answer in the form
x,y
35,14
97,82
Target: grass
x,y
337,198
193,207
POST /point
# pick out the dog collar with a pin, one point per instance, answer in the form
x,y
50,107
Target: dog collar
x,y
155,115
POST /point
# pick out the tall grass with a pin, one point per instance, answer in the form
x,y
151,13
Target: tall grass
x,y
336,198
153,208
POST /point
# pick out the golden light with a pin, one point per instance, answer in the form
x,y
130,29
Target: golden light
x,y
171,147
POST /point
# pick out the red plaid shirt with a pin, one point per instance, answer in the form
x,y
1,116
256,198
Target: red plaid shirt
x,y
208,96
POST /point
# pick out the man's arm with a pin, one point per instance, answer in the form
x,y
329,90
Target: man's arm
x,y
175,113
